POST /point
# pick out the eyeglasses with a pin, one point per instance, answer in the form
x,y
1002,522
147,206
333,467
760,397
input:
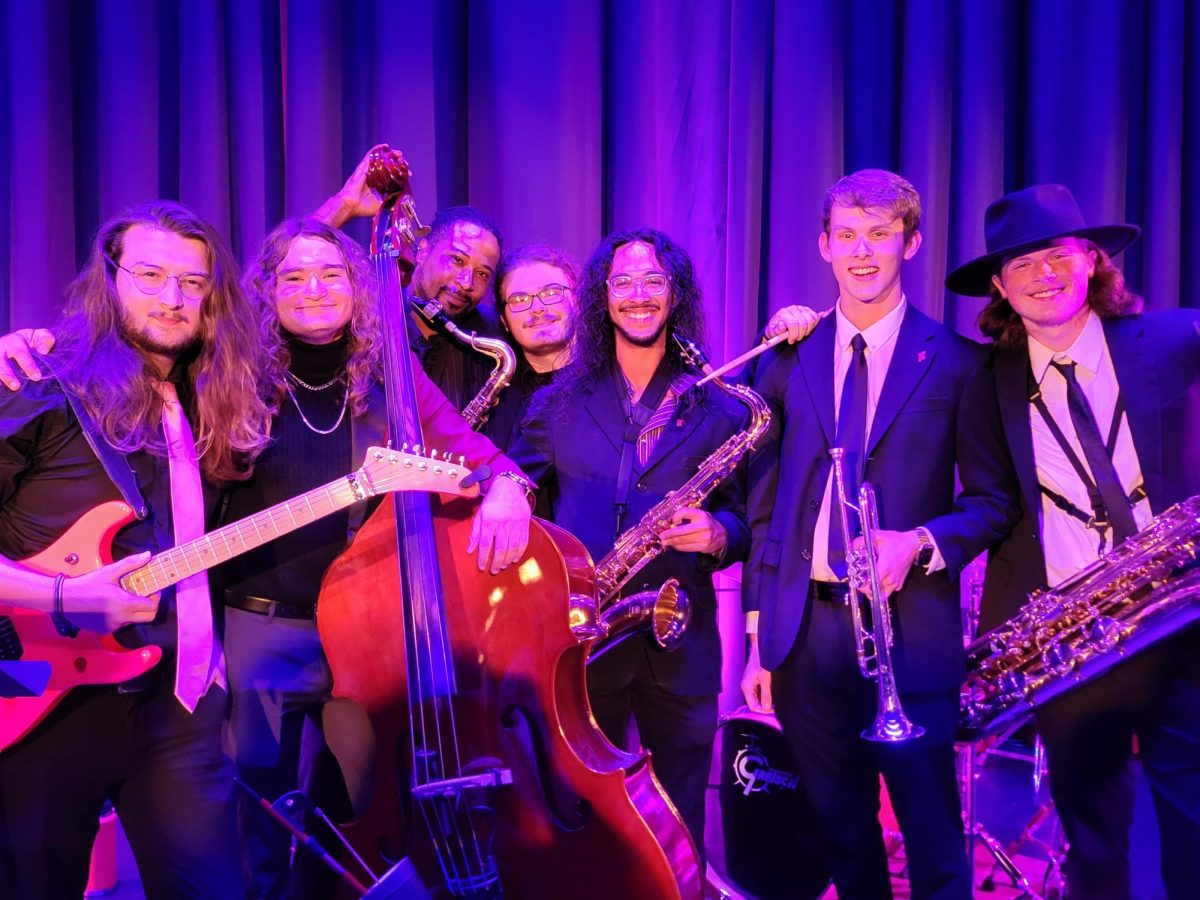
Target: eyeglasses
x,y
295,280
549,295
153,280
622,286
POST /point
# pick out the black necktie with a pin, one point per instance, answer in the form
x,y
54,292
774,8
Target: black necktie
x,y
1116,501
851,437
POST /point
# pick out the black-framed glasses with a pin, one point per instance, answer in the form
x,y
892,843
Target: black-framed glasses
x,y
622,286
153,280
549,295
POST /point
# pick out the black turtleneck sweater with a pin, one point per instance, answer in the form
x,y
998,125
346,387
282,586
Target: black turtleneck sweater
x,y
290,568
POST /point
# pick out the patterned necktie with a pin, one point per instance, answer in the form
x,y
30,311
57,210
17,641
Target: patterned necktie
x,y
851,437
1116,501
197,665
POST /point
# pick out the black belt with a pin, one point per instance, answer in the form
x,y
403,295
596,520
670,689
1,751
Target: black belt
x,y
828,591
274,609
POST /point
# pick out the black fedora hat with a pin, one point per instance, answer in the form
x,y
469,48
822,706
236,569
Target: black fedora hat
x,y
1024,220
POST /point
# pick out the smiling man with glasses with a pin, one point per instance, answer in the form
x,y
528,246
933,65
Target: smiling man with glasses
x,y
620,428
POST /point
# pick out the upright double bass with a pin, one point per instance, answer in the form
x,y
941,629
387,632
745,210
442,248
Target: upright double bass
x,y
490,772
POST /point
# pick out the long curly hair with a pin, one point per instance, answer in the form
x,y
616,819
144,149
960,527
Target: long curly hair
x,y
115,381
363,352
1107,295
595,334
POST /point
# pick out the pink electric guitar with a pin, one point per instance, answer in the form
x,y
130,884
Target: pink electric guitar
x,y
91,658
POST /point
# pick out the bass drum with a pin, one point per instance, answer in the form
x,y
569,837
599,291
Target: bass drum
x,y
772,844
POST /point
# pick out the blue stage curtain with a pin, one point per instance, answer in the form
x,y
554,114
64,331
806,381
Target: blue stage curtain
x,y
721,122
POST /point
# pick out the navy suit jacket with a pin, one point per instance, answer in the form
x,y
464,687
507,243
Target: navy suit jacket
x,y
920,432
575,451
1157,360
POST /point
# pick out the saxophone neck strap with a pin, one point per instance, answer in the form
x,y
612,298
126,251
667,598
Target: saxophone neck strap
x,y
636,416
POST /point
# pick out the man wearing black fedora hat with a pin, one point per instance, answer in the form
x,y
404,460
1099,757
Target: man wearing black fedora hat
x,y
1100,405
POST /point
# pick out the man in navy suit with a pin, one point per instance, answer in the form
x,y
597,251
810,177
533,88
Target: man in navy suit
x,y
620,428
1100,404
885,382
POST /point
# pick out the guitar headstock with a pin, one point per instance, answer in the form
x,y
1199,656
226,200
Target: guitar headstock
x,y
385,470
692,354
396,228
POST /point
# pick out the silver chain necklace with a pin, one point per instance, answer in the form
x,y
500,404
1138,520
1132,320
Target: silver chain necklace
x,y
311,427
314,387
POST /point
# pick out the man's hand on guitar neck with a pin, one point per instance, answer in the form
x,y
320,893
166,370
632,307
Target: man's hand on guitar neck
x,y
95,600
18,347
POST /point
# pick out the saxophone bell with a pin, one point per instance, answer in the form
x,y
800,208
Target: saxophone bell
x,y
667,612
873,644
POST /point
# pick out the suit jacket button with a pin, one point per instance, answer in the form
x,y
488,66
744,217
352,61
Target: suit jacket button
x,y
641,485
814,505
806,555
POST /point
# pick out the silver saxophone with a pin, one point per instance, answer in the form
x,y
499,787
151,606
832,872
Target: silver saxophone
x,y
873,640
476,412
1129,599
667,611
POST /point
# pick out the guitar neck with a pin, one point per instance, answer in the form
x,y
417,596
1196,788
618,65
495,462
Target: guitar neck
x,y
242,536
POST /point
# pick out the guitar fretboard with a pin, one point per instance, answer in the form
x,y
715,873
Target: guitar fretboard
x,y
216,547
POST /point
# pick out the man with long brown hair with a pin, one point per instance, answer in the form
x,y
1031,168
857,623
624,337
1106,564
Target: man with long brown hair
x,y
157,345
1100,405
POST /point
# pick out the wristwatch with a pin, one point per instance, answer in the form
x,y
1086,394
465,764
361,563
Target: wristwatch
x,y
924,549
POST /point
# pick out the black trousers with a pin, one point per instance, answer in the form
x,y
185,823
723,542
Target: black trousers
x,y
1088,735
823,704
162,768
678,730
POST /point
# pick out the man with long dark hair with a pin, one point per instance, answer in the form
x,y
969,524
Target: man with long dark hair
x,y
1100,405
158,364
620,428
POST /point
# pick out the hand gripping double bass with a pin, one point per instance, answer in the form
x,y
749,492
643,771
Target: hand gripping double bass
x,y
489,772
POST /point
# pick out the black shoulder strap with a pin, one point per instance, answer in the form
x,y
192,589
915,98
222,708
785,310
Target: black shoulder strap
x,y
115,463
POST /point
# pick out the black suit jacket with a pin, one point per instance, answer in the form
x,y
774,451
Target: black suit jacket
x,y
573,450
1157,360
920,432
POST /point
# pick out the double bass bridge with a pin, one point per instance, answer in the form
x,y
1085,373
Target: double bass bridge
x,y
453,787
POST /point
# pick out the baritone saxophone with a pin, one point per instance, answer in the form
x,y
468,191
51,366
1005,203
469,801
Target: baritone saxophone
x,y
667,611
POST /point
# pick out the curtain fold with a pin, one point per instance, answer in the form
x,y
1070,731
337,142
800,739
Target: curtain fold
x,y
721,122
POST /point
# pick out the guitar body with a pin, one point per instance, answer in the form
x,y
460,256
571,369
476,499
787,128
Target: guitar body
x,y
88,658
580,817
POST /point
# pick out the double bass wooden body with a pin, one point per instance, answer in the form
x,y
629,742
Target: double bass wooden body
x,y
580,818
488,769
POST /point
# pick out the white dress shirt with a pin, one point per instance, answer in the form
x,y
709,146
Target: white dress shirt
x,y
1070,545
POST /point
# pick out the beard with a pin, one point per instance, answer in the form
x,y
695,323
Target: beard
x,y
647,340
141,338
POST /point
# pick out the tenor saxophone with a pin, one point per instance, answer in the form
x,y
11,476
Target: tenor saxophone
x,y
476,412
1131,598
666,611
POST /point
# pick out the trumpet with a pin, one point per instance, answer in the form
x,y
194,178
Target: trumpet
x,y
872,645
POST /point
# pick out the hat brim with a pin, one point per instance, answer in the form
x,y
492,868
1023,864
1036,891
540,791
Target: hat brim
x,y
974,278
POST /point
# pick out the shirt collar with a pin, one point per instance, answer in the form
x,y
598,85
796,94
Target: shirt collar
x,y
1087,351
875,335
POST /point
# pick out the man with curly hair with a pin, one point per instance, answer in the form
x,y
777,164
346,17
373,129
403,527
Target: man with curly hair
x,y
621,427
158,363
1100,404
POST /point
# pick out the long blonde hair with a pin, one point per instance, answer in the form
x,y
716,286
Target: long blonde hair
x,y
115,380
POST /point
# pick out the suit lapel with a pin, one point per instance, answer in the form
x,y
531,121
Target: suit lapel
x,y
1012,391
916,348
815,355
1140,389
606,410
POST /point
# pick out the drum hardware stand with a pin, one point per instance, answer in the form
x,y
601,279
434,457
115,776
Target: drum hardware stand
x,y
400,882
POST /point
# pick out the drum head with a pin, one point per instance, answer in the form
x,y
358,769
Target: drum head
x,y
772,845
